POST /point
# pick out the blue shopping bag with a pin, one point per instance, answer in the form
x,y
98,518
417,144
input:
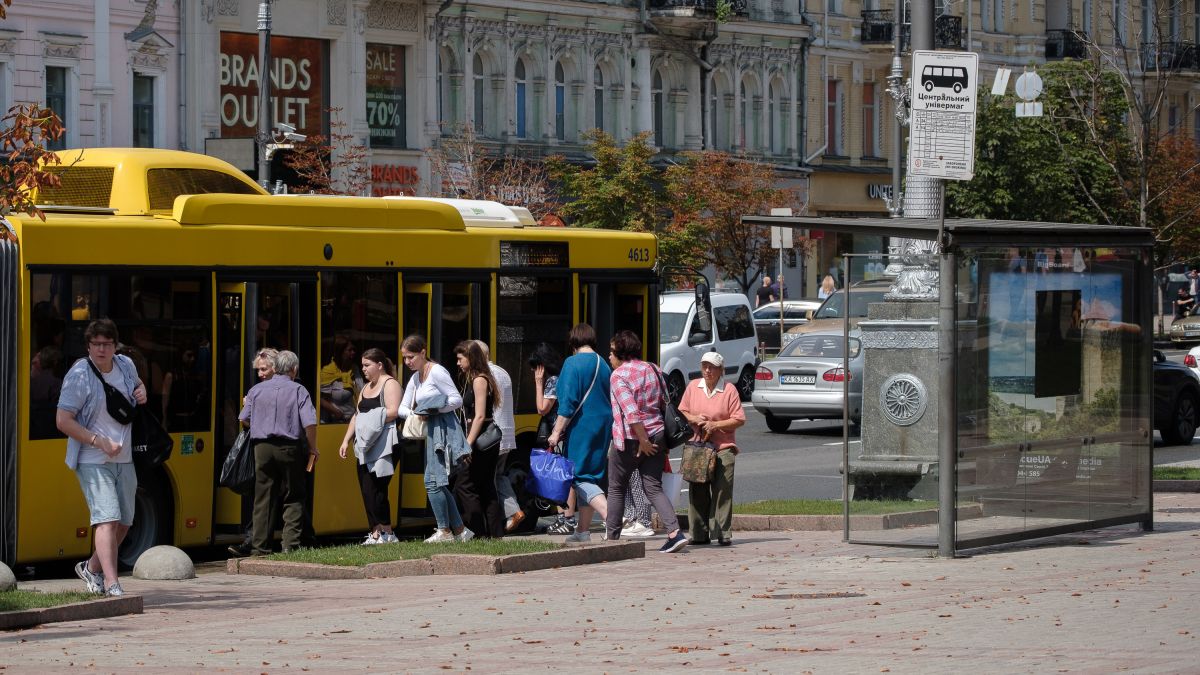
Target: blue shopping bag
x,y
550,476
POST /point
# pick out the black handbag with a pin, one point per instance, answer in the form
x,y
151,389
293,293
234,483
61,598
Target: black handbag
x,y
237,473
489,438
152,445
119,408
677,429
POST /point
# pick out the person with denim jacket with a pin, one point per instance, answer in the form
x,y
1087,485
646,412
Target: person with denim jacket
x,y
100,449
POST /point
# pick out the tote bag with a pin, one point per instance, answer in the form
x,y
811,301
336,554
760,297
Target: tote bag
x,y
550,476
152,444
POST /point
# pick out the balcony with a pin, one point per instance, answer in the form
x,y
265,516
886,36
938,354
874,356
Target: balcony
x,y
1170,56
877,26
700,9
1066,44
947,33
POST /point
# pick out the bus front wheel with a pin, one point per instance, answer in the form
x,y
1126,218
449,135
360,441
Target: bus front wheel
x,y
151,518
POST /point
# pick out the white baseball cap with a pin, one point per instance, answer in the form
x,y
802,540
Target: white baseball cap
x,y
714,358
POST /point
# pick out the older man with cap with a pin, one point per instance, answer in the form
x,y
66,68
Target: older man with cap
x,y
715,410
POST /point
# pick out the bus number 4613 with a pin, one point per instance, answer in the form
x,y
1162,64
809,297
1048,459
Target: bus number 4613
x,y
639,255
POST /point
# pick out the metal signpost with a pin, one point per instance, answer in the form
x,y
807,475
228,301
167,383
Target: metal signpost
x,y
941,141
781,238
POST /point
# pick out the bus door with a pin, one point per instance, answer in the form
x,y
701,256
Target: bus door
x,y
444,312
254,315
614,305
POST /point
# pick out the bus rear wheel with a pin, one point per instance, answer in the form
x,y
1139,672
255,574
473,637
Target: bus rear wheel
x,y
151,519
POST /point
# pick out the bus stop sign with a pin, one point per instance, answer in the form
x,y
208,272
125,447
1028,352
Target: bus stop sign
x,y
941,141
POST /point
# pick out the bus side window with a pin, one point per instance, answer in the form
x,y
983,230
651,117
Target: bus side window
x,y
358,312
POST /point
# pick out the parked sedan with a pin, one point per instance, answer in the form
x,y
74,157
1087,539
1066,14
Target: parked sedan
x,y
805,381
766,320
1176,401
1185,329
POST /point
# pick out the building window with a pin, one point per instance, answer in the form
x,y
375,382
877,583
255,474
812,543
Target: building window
x,y
56,100
1196,21
1196,127
143,111
477,86
1172,119
833,118
1175,20
985,14
656,99
747,139
1120,21
386,103
773,134
1087,16
870,122
560,102
598,94
1149,21
522,84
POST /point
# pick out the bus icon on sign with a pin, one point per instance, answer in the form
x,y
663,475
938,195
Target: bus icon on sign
x,y
945,77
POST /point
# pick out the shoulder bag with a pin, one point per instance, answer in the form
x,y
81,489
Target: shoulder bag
x,y
414,425
152,445
677,430
119,407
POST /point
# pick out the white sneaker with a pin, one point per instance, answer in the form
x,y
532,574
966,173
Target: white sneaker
x,y
388,538
371,540
440,537
95,582
465,535
636,529
579,537
115,590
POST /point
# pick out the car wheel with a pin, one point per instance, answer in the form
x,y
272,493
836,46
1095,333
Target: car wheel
x,y
151,520
1181,428
778,424
675,385
745,383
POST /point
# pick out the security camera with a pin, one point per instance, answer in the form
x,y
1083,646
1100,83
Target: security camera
x,y
298,138
285,128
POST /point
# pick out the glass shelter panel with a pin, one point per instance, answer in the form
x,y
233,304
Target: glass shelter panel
x,y
890,372
1054,413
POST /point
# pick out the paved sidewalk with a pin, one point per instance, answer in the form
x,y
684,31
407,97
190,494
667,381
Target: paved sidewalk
x,y
1095,602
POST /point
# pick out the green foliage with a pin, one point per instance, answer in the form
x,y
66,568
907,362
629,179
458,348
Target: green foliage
x,y
1055,168
352,555
619,192
1176,473
831,507
724,11
17,600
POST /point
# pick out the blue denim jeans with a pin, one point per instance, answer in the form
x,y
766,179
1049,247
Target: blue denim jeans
x,y
445,510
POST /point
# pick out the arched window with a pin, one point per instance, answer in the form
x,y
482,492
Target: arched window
x,y
560,102
477,86
519,104
773,135
598,94
656,98
747,139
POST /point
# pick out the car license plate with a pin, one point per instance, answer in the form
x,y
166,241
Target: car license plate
x,y
1191,333
798,379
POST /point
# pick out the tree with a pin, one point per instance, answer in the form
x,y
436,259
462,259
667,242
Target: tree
x,y
336,164
620,191
25,158
469,169
711,192
1049,168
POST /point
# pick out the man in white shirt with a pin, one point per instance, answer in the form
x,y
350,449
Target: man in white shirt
x,y
508,441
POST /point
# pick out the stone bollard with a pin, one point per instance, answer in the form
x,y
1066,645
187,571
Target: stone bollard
x,y
164,562
8,580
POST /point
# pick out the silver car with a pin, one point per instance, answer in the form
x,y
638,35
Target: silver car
x,y
805,381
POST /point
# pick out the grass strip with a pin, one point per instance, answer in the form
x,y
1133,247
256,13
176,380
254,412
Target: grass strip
x,y
1176,473
17,600
355,555
830,507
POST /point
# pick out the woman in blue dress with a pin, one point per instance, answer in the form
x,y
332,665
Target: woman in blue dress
x,y
585,424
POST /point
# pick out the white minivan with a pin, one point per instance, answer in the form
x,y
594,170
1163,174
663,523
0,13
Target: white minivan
x,y
684,336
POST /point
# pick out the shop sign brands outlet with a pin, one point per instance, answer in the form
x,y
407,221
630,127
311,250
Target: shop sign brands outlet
x,y
297,83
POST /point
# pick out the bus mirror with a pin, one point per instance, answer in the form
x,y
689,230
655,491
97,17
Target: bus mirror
x,y
703,308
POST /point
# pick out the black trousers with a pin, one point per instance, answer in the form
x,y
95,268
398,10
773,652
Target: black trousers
x,y
375,497
475,491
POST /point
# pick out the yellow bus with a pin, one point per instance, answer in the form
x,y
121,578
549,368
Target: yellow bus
x,y
200,268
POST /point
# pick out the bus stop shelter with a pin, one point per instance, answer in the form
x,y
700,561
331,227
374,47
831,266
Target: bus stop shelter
x,y
1047,347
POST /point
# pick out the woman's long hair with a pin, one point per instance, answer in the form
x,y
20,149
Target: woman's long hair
x,y
477,366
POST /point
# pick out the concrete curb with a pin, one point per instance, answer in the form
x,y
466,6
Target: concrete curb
x,y
76,611
446,564
1177,486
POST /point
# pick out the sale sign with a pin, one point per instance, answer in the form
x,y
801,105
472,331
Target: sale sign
x,y
297,84
385,95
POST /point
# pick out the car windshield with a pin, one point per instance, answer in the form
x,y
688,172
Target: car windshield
x,y
834,304
670,327
819,346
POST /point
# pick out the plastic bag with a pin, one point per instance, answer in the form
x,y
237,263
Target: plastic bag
x,y
237,473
